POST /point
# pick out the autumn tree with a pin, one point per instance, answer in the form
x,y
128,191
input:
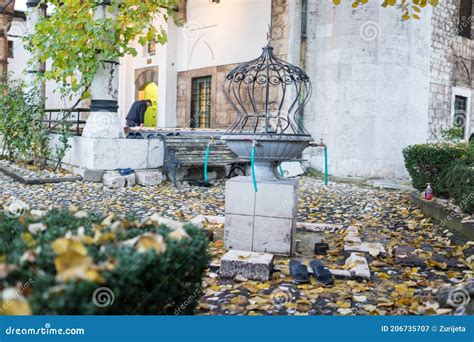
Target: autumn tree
x,y
76,42
410,8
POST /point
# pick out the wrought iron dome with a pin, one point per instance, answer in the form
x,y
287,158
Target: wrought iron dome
x,y
268,95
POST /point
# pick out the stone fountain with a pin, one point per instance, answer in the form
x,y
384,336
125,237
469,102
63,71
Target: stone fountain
x,y
268,95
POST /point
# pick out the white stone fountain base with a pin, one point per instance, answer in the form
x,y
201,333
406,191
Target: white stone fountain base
x,y
263,221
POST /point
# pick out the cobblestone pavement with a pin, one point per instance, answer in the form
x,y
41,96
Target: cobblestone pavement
x,y
382,216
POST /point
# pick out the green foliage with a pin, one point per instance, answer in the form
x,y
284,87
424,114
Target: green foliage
x,y
77,38
460,184
453,134
429,163
410,9
22,129
64,138
142,282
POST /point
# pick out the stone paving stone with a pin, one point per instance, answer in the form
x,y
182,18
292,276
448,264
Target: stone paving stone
x,y
358,266
253,266
406,256
352,238
318,227
372,248
341,274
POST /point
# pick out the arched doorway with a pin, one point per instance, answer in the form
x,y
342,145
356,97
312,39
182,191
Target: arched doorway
x,y
150,92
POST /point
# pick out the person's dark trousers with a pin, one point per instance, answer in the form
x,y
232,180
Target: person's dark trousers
x,y
132,124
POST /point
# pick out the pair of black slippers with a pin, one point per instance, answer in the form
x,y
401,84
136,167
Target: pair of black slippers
x,y
300,274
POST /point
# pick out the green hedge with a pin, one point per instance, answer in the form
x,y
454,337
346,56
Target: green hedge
x,y
430,163
460,182
147,267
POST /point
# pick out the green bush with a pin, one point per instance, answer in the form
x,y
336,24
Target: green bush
x,y
430,163
24,134
469,158
460,184
147,267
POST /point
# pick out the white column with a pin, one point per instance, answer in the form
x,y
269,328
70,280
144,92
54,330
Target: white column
x,y
33,14
103,121
168,79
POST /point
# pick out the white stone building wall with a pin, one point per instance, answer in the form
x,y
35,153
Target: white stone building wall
x,y
370,74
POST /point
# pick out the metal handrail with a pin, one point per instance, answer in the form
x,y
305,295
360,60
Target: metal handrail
x,y
53,124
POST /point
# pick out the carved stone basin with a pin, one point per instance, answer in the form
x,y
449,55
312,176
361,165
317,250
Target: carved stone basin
x,y
270,150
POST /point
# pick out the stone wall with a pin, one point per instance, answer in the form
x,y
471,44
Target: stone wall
x,y
221,114
370,74
280,27
450,64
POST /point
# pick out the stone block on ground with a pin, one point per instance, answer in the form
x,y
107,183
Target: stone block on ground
x,y
352,238
319,227
406,256
341,274
95,176
352,230
374,249
114,180
253,266
358,266
292,169
197,221
149,177
130,180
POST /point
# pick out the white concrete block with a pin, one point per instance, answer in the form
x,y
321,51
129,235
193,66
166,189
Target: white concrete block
x,y
274,235
319,227
238,232
352,238
239,196
149,177
198,221
114,180
105,125
358,266
155,153
262,221
292,169
112,154
374,249
341,274
253,266
130,180
352,230
277,198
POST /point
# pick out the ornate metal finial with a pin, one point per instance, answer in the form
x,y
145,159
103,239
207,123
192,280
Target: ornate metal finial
x,y
268,95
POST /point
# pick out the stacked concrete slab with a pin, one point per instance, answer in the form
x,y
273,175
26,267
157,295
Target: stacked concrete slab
x,y
262,221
